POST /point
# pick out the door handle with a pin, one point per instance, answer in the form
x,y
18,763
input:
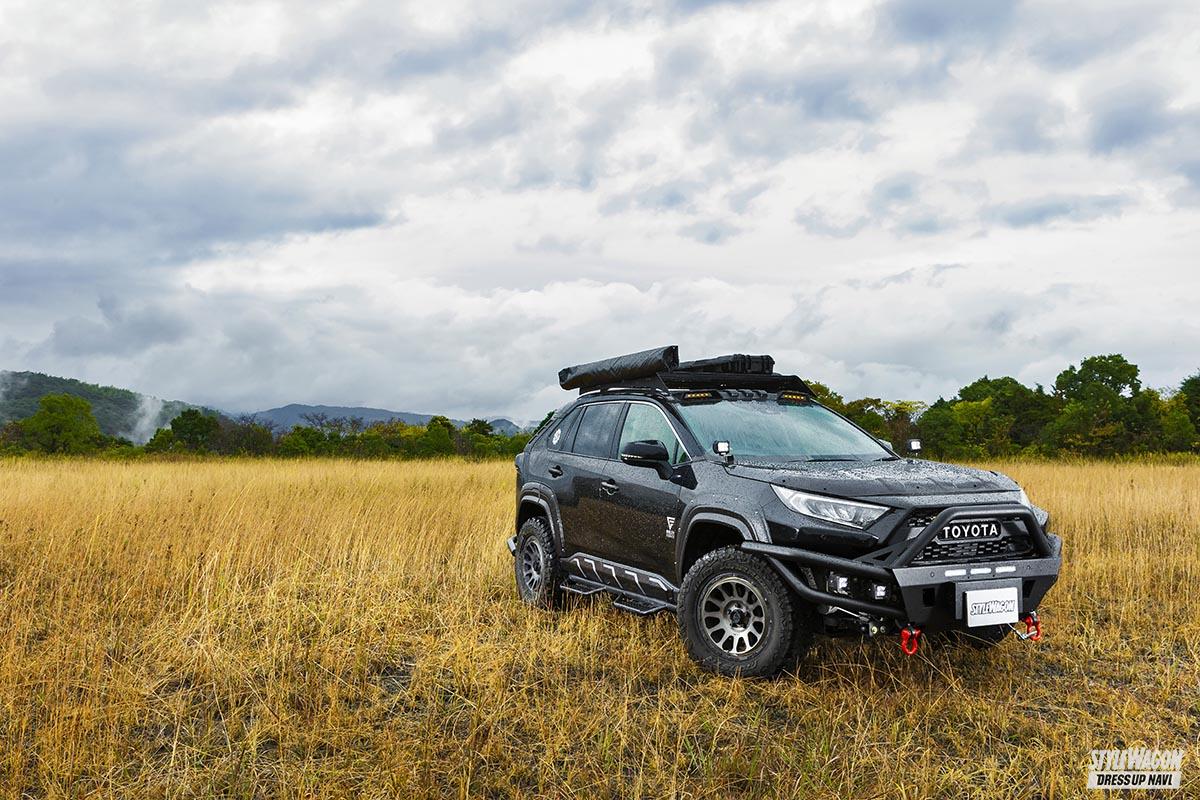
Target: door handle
x,y
555,471
609,486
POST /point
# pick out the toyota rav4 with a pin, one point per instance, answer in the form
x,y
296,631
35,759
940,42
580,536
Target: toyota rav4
x,y
724,492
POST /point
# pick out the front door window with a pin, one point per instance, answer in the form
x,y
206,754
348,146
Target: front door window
x,y
643,423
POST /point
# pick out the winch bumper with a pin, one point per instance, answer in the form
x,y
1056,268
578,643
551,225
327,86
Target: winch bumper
x,y
927,595
932,596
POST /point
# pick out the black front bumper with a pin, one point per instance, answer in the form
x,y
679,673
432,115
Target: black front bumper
x,y
932,599
926,595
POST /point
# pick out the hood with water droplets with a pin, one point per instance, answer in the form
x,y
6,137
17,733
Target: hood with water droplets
x,y
905,477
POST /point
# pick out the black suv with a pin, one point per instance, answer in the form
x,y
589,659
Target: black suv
x,y
724,492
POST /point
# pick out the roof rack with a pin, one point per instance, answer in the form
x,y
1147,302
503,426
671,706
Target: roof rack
x,y
660,369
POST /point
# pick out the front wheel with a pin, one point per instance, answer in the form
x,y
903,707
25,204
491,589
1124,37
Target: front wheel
x,y
735,615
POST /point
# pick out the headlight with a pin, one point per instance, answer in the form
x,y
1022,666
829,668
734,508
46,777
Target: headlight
x,y
1041,515
844,512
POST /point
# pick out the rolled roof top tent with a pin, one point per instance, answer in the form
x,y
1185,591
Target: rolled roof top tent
x,y
660,368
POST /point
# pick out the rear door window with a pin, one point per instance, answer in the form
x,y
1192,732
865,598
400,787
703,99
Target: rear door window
x,y
595,434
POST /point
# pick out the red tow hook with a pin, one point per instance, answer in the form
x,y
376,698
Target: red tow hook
x,y
910,640
1033,627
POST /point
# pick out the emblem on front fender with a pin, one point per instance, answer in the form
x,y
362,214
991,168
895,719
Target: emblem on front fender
x,y
670,527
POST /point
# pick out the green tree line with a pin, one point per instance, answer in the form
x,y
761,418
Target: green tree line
x,y
1098,408
64,424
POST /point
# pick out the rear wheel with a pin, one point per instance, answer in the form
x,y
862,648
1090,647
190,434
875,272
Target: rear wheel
x,y
735,615
535,563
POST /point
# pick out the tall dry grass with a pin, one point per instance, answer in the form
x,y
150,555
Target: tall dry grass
x,y
335,629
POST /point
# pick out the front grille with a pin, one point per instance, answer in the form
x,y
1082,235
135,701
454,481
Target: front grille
x,y
924,518
1015,543
1011,546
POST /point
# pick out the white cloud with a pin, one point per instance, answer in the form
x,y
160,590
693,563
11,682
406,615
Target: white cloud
x,y
435,209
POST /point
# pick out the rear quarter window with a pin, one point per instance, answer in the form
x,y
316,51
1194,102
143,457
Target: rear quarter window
x,y
558,437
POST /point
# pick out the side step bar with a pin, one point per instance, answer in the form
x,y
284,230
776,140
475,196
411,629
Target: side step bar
x,y
642,606
634,604
580,588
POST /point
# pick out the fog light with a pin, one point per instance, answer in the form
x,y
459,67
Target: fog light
x,y
838,584
879,591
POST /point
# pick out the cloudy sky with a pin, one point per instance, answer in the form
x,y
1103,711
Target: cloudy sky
x,y
434,206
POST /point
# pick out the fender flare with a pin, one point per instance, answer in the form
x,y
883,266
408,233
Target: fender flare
x,y
719,516
540,495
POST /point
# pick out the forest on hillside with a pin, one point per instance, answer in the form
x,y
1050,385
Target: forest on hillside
x,y
120,413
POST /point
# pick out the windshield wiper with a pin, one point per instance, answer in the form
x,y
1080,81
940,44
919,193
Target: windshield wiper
x,y
887,458
820,458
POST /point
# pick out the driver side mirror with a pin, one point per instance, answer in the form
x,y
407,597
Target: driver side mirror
x,y
647,453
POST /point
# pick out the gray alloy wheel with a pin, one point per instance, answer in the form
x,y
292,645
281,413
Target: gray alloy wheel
x,y
737,618
533,563
733,615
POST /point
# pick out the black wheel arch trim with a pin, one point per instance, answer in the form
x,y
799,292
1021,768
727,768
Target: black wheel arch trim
x,y
742,524
541,495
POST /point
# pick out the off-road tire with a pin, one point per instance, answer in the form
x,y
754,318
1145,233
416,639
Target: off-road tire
x,y
715,580
985,637
535,565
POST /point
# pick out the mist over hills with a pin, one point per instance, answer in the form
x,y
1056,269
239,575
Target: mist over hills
x,y
135,416
119,412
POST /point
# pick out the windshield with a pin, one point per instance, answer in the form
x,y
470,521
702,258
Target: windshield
x,y
770,429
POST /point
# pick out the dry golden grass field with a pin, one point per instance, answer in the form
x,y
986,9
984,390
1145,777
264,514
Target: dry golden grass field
x,y
350,629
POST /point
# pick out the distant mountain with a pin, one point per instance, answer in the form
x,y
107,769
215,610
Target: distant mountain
x,y
506,426
134,416
289,416
119,412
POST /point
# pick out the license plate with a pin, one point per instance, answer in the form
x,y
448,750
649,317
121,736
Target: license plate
x,y
991,606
